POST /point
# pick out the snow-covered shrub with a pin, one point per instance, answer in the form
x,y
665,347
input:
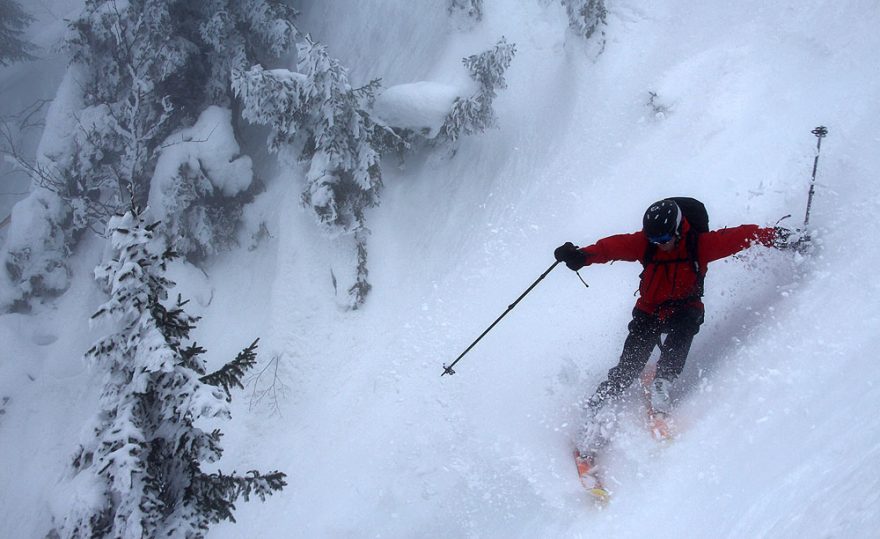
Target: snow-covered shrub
x,y
138,471
200,184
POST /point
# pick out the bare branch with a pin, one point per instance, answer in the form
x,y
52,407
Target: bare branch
x,y
272,390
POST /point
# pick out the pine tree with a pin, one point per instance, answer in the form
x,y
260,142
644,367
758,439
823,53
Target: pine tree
x,y
475,114
588,18
13,21
317,113
137,60
155,66
240,33
143,457
344,177
201,183
143,69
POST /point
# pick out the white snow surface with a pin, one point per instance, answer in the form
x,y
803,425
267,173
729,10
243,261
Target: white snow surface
x,y
421,106
779,434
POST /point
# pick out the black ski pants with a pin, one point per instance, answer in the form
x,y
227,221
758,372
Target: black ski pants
x,y
644,334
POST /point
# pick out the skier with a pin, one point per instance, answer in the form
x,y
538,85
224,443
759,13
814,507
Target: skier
x,y
675,254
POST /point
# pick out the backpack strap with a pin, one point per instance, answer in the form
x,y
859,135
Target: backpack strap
x,y
691,242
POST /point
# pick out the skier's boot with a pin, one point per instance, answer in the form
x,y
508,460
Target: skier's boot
x,y
598,428
661,406
661,403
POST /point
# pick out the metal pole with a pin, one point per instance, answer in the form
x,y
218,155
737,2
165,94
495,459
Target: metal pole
x,y
448,370
820,133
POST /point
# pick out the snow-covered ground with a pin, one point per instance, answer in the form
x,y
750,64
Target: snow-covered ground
x,y
777,415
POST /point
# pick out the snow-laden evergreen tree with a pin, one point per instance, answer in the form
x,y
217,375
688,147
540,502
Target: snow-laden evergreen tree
x,y
587,18
200,185
319,115
13,21
317,111
475,114
136,62
240,33
138,472
141,70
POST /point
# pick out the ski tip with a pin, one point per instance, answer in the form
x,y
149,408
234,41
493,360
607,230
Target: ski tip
x,y
590,481
600,495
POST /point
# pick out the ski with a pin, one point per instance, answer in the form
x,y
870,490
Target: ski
x,y
589,478
658,423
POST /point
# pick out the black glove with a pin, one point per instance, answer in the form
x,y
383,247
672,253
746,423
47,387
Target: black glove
x,y
792,240
573,257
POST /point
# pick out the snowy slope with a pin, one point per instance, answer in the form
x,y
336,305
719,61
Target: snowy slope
x,y
779,431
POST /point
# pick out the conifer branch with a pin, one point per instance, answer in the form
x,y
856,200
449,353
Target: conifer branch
x,y
230,375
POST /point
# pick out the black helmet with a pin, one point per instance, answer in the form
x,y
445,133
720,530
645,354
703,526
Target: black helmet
x,y
661,221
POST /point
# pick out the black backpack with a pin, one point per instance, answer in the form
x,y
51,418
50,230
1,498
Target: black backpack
x,y
695,212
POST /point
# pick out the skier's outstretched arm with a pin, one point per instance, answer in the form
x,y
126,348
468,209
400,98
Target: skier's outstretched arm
x,y
628,247
719,244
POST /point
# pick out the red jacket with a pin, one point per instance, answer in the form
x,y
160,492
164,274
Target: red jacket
x,y
671,276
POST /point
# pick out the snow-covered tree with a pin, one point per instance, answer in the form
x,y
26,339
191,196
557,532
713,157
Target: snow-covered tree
x,y
240,33
138,472
36,251
467,11
319,115
13,21
137,60
587,18
475,114
141,70
200,184
317,111
156,65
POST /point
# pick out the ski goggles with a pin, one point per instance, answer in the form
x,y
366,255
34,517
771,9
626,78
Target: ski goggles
x,y
664,238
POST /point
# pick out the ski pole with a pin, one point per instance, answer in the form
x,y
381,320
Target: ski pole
x,y
448,370
820,133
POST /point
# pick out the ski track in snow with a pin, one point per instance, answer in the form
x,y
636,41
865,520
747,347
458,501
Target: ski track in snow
x,y
778,430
